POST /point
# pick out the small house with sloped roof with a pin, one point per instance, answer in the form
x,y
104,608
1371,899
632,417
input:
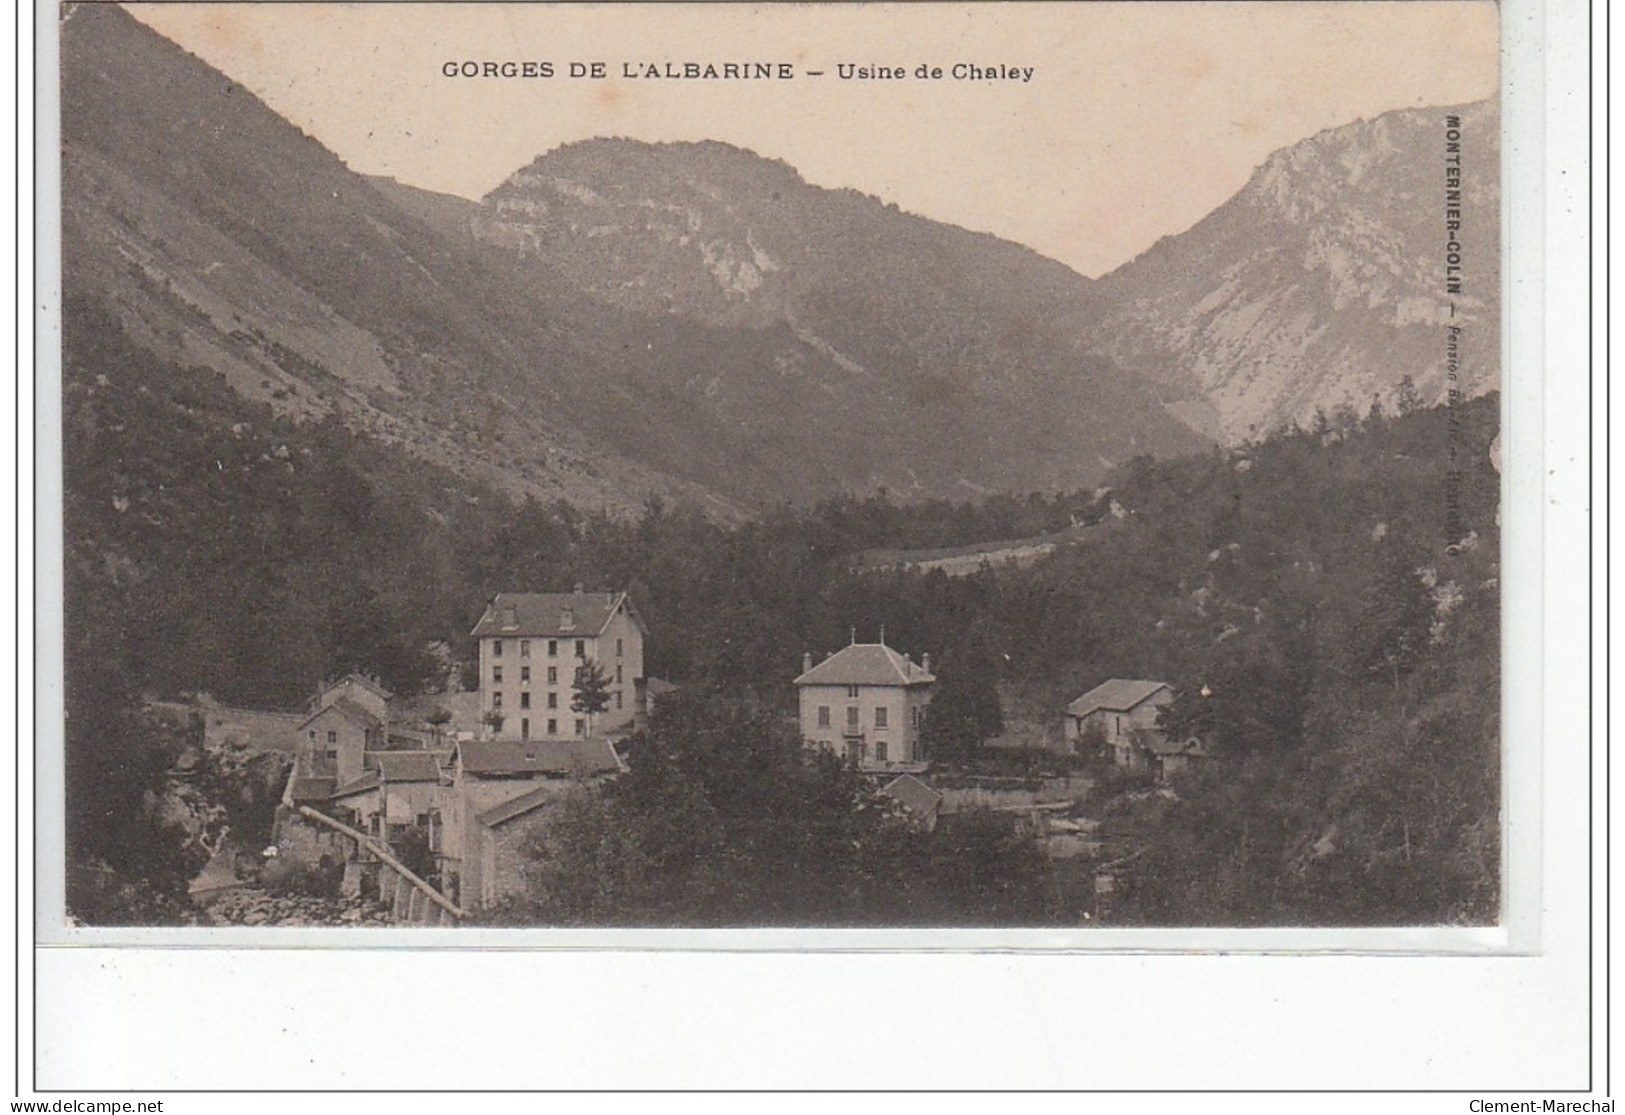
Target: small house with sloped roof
x,y
1114,716
1168,757
359,689
532,643
492,852
921,802
501,792
334,740
867,702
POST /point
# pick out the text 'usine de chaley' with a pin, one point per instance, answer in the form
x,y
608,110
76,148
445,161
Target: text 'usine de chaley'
x,y
666,70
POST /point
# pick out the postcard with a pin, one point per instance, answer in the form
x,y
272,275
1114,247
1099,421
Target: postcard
x,y
785,477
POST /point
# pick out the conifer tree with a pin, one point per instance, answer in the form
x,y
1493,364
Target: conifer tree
x,y
591,691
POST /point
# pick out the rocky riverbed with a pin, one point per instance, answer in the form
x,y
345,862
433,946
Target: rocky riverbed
x,y
252,906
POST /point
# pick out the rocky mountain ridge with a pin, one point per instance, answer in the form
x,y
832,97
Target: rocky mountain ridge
x,y
624,320
1322,283
882,355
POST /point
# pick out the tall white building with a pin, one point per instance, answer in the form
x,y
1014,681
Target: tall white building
x,y
532,643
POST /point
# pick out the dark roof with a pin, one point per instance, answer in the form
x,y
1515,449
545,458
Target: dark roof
x,y
1116,695
913,794
580,757
368,781
406,766
518,806
552,614
311,789
350,710
866,664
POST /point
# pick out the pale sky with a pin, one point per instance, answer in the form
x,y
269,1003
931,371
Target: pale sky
x,y
1139,119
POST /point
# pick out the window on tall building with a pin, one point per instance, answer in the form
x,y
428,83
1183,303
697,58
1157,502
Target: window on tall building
x,y
496,648
496,699
581,648
852,716
524,673
332,737
496,674
552,700
581,727
524,700
552,648
618,699
524,728
524,648
823,716
880,751
552,727
620,648
852,692
880,717
552,675
620,678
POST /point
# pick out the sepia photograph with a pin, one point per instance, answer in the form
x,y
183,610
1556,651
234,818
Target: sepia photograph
x,y
708,466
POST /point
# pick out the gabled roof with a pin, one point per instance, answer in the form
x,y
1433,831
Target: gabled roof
x,y
350,710
368,781
579,757
913,794
866,664
361,680
518,806
563,615
311,789
406,766
1116,695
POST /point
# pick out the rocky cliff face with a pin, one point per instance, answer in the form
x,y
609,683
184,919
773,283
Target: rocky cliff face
x,y
1322,283
885,349
631,320
622,319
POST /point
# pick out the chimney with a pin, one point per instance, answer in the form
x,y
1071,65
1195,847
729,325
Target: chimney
x,y
806,661
925,663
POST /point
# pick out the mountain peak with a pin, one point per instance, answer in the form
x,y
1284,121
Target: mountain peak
x,y
1320,284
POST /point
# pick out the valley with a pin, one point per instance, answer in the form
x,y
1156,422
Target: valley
x,y
315,422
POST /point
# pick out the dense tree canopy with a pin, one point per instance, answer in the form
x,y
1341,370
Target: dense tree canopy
x,y
1332,592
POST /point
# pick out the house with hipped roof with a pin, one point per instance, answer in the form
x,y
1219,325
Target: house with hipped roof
x,y
867,702
532,643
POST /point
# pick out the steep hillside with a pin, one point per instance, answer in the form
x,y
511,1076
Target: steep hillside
x,y
887,348
897,353
222,237
1322,282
